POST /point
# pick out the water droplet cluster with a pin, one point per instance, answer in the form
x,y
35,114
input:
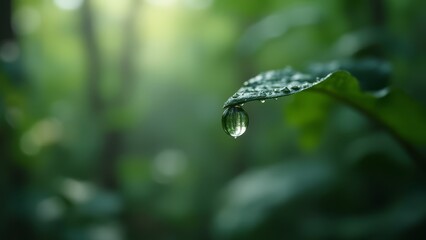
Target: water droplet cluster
x,y
271,85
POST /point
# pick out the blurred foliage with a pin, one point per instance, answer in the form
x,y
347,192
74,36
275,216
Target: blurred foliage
x,y
110,121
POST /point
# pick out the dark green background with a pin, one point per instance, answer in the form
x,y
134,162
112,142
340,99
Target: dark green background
x,y
110,121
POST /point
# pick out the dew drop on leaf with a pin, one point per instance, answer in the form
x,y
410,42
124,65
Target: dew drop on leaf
x,y
285,90
262,101
235,121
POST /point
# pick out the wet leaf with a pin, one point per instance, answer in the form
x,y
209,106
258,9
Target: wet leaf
x,y
395,111
273,84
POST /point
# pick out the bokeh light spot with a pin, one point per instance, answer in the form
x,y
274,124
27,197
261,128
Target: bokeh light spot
x,y
26,20
163,3
198,4
9,51
68,4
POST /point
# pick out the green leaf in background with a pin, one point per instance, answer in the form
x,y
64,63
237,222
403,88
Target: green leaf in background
x,y
254,196
276,25
309,114
282,197
389,109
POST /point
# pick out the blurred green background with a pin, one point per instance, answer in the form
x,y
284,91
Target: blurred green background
x,y
110,121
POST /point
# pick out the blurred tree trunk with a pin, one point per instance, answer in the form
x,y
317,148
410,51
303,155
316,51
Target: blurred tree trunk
x,y
365,13
6,32
127,67
93,58
15,179
378,13
112,140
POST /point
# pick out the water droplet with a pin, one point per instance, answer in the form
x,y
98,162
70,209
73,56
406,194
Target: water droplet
x,y
300,77
262,101
285,90
235,121
295,88
276,98
269,74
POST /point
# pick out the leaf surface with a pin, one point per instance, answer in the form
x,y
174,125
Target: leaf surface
x,y
402,116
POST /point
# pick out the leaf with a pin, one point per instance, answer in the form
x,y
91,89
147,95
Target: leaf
x,y
273,84
393,220
252,197
393,110
372,74
308,113
312,199
276,25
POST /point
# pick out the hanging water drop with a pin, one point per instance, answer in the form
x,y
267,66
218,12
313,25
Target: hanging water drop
x,y
262,101
235,121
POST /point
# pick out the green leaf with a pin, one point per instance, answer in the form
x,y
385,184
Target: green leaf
x,y
252,197
277,25
393,110
309,114
273,84
372,74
